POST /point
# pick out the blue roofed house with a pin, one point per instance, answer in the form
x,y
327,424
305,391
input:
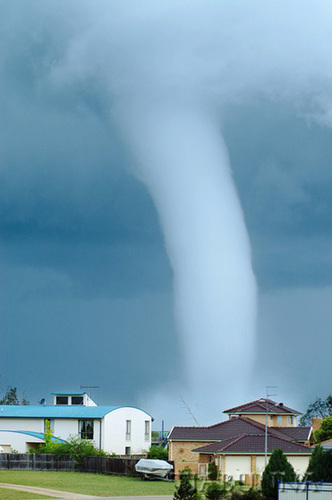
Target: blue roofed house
x,y
123,430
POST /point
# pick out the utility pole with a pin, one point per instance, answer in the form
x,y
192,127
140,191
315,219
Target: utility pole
x,y
268,387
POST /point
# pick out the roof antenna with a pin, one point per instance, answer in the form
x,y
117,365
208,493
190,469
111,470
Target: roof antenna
x,y
188,409
90,387
268,387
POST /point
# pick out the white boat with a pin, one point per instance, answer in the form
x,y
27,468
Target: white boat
x,y
153,468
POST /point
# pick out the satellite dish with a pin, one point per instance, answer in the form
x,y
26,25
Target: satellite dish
x,y
42,402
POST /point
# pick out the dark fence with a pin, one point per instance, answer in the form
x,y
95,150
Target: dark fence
x,y
41,461
113,465
36,461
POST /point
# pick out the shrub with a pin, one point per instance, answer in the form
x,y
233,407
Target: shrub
x,y
158,452
215,491
212,471
236,495
320,465
186,491
253,494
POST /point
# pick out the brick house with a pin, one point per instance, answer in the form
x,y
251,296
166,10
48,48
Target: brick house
x,y
238,445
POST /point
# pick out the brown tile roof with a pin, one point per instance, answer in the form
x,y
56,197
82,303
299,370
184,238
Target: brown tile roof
x,y
294,433
259,406
248,443
224,430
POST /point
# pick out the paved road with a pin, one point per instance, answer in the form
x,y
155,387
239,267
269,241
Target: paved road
x,y
76,496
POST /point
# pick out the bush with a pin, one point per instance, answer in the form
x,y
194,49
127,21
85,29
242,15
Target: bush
x,y
186,491
320,465
157,452
212,471
253,494
215,491
236,495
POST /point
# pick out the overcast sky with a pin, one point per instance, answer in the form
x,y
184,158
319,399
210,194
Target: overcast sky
x,y
99,100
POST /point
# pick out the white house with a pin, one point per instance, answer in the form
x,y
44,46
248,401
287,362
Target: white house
x,y
123,430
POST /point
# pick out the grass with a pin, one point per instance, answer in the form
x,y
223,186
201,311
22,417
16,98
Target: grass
x,y
88,484
6,494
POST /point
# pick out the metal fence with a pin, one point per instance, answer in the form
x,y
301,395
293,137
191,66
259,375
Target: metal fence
x,y
305,491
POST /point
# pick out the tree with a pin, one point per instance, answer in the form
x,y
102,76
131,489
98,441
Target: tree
x,y
158,452
320,465
321,408
277,469
185,491
11,398
325,430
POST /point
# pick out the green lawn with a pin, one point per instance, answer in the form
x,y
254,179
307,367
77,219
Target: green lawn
x,y
88,484
18,495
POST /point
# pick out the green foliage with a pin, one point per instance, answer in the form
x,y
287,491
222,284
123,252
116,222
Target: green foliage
x,y
325,430
158,453
236,495
215,491
319,408
185,491
11,398
320,465
278,468
212,471
253,494
75,447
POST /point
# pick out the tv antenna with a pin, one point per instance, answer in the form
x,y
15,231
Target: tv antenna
x,y
90,387
268,394
189,410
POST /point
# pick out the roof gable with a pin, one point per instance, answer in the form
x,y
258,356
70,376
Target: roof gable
x,y
259,406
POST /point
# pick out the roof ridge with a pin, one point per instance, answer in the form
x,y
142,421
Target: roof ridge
x,y
256,401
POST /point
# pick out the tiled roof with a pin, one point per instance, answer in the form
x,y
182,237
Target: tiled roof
x,y
248,443
56,411
295,433
259,406
224,430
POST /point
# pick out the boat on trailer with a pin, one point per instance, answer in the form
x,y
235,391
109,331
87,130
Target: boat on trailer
x,y
158,469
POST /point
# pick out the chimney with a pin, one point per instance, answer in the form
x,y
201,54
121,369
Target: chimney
x,y
315,422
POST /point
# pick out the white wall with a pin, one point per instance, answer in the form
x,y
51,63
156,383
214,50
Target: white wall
x,y
114,431
17,441
19,424
237,465
299,463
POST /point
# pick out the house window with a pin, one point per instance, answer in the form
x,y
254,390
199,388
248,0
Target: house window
x,y
279,419
62,400
290,420
127,449
128,430
147,430
77,400
86,429
49,421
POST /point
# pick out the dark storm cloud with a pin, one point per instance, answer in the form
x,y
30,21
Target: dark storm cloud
x,y
85,278
283,173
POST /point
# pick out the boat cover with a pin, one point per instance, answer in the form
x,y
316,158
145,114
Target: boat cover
x,y
149,466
